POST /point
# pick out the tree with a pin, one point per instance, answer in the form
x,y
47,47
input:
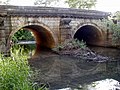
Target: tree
x,y
5,2
115,29
82,4
45,2
114,26
22,35
117,14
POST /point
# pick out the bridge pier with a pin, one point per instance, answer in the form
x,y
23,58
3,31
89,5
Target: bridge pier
x,y
65,30
5,28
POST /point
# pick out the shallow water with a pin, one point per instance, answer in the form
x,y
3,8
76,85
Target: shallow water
x,y
113,53
62,71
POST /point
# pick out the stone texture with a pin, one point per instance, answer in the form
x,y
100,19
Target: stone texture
x,y
59,23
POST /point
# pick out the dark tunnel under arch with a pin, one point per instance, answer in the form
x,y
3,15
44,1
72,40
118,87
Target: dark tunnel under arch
x,y
43,37
89,34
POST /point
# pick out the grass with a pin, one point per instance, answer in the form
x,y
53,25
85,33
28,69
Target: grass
x,y
15,72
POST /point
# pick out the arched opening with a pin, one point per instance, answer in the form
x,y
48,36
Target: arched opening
x,y
89,34
43,38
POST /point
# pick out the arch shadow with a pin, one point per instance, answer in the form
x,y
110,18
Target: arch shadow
x,y
44,38
89,34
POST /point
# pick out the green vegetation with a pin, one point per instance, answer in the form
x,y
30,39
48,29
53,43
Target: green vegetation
x,y
115,28
45,2
117,15
15,73
77,44
71,44
113,25
22,35
5,2
82,4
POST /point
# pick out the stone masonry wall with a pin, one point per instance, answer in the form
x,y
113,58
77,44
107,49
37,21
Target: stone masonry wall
x,y
69,28
52,24
62,29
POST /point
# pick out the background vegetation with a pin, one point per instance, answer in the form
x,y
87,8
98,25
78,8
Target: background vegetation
x,y
113,25
6,2
24,35
82,4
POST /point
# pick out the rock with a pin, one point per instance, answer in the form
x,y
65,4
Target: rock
x,y
85,53
73,50
64,89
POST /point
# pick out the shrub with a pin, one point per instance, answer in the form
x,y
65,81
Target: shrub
x,y
71,44
14,73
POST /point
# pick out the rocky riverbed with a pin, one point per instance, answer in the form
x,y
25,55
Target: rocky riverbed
x,y
77,51
84,53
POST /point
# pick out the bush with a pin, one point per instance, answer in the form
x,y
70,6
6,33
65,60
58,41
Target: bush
x,y
71,44
114,29
14,73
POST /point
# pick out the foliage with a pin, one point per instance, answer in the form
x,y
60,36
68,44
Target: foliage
x,y
114,29
5,2
22,35
116,32
117,14
26,49
77,43
82,4
71,44
15,73
44,2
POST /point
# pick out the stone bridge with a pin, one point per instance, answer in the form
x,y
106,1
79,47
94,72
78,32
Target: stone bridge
x,y
52,26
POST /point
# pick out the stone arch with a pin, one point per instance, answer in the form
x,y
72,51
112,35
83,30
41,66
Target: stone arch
x,y
43,35
90,33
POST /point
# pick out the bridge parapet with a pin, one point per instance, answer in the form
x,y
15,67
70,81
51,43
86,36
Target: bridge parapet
x,y
53,12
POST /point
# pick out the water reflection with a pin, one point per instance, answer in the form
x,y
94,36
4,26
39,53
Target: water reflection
x,y
113,53
62,71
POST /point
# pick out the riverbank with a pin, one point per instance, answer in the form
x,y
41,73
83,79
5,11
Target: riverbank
x,y
79,50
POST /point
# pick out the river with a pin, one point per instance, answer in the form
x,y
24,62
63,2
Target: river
x,y
63,71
